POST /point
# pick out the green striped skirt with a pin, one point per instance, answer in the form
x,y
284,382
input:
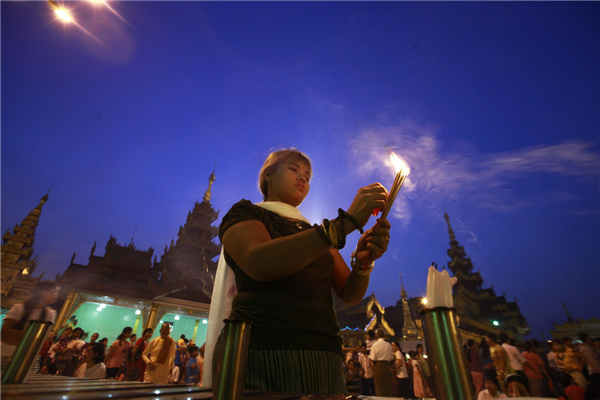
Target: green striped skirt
x,y
295,371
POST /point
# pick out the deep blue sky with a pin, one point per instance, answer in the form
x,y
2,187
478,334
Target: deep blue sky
x,y
494,105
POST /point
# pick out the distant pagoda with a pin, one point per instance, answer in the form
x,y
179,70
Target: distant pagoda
x,y
187,263
17,262
409,329
479,310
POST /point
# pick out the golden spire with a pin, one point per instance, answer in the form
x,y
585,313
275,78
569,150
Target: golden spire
x,y
450,231
211,179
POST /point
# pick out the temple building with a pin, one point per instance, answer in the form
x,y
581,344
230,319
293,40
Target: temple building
x,y
572,327
126,287
17,261
479,310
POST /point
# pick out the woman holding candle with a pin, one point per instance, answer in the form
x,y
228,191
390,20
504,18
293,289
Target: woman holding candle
x,y
285,270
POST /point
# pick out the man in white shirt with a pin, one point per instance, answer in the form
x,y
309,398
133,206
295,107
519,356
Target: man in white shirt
x,y
367,384
383,366
516,359
402,379
159,357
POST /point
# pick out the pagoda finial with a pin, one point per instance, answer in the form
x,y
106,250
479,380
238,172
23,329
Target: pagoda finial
x,y
211,179
93,249
403,293
569,318
450,231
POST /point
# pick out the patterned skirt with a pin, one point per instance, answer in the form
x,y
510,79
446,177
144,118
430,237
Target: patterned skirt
x,y
294,371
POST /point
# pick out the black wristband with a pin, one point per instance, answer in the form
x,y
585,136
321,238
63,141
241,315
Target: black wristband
x,y
344,214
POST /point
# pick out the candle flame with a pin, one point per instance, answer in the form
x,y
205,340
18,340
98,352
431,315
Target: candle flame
x,y
399,164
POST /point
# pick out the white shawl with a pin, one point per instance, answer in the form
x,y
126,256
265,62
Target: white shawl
x,y
224,291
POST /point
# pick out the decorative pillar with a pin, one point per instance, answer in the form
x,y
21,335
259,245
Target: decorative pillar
x,y
137,322
151,321
195,330
64,311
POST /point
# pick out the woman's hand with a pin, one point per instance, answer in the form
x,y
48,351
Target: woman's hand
x,y
373,243
368,199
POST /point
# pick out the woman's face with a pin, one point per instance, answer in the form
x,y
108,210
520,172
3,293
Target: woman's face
x,y
394,347
289,183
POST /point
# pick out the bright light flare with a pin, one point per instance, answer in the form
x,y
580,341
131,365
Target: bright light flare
x,y
63,14
399,164
424,301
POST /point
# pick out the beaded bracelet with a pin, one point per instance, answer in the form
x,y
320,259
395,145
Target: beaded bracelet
x,y
321,230
342,243
358,268
344,214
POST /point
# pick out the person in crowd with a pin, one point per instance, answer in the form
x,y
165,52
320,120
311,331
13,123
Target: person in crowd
x,y
353,373
104,341
485,358
475,367
501,360
50,366
370,339
70,356
174,375
420,385
491,391
367,384
591,357
383,365
181,341
351,355
193,373
596,344
117,352
592,390
425,367
45,350
93,366
535,370
516,359
285,270
572,390
411,372
93,340
571,362
185,356
138,366
37,307
401,373
132,340
159,357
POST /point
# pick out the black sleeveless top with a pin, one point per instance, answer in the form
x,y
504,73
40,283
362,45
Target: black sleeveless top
x,y
293,312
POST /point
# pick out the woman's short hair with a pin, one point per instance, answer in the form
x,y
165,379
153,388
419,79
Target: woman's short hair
x,y
272,162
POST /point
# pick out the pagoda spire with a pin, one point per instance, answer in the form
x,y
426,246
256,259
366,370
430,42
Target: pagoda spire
x,y
450,231
17,248
409,329
569,318
211,179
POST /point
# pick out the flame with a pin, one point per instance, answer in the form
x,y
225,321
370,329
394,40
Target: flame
x,y
399,164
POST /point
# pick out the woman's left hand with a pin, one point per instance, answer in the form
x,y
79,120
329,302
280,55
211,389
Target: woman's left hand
x,y
373,243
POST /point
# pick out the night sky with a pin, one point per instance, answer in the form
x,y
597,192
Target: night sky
x,y
495,106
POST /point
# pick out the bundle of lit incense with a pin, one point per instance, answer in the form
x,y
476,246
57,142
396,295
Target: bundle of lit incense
x,y
402,172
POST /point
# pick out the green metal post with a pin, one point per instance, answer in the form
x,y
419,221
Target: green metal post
x,y
451,376
26,352
231,364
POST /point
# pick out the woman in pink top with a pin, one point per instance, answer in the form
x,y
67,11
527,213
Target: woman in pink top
x,y
535,376
117,352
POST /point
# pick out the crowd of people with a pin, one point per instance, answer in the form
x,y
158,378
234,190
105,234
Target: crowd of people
x,y
128,358
382,369
499,366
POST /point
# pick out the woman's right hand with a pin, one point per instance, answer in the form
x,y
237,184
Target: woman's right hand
x,y
368,199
